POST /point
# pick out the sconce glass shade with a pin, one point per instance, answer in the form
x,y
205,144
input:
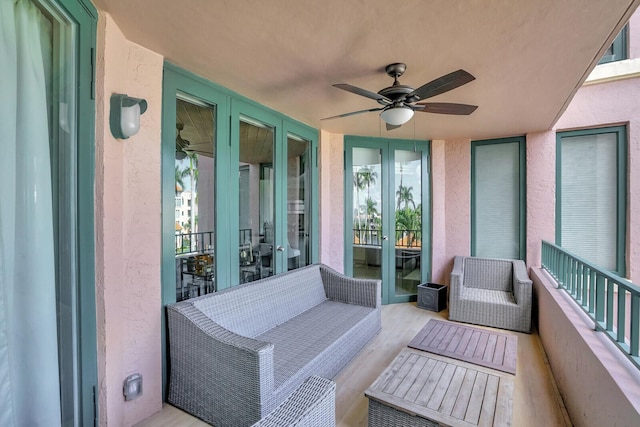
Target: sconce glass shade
x,y
397,116
130,120
124,117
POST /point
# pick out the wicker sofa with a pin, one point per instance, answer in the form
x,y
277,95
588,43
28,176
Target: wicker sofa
x,y
491,292
237,354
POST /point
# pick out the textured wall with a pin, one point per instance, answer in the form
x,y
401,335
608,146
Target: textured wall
x,y
599,386
127,230
439,260
457,202
331,167
614,103
541,193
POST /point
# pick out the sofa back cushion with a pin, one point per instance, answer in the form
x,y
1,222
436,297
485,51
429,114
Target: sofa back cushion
x,y
254,308
486,273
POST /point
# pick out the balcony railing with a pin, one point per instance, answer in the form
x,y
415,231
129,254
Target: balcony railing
x,y
373,237
200,242
612,302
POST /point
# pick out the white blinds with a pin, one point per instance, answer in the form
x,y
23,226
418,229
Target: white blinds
x,y
497,200
588,197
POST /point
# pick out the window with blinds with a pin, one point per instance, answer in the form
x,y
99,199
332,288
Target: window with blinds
x,y
497,198
590,195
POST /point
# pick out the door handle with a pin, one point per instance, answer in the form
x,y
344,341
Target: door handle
x,y
385,238
280,248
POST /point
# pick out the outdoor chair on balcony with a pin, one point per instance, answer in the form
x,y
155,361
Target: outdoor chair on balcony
x,y
491,292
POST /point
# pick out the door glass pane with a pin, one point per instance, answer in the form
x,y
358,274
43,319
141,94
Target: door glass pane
x,y
298,202
367,213
64,169
194,198
256,176
408,221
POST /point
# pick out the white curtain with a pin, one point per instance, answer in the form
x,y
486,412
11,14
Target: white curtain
x,y
29,379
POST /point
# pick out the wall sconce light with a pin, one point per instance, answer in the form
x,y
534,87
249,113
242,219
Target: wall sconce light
x,y
124,119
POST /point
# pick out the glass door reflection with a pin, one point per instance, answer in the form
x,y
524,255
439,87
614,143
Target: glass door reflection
x,y
367,213
408,220
194,198
298,202
257,197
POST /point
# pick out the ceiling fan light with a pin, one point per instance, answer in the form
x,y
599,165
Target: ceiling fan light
x,y
397,116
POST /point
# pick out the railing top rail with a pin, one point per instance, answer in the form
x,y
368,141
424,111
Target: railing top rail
x,y
607,274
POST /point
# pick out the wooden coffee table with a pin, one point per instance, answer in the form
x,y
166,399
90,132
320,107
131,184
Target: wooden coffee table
x,y
424,389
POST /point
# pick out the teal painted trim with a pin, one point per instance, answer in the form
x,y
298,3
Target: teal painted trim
x,y
179,84
621,193
347,167
572,272
522,191
427,218
619,47
229,106
84,16
387,147
310,134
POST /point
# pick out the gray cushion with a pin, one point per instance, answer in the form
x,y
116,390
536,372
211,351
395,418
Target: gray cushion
x,y
306,336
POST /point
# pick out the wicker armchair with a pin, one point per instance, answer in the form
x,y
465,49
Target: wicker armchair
x,y
313,404
491,292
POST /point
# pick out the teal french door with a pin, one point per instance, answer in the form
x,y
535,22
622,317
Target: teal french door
x,y
387,214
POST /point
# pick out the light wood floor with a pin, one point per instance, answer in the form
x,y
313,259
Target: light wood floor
x,y
536,401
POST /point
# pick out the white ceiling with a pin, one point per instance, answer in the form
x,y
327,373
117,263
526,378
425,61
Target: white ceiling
x,y
528,57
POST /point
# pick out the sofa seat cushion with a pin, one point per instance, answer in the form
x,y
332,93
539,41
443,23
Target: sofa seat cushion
x,y
305,337
491,297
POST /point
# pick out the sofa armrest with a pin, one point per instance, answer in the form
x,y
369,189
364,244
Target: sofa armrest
x,y
339,287
522,285
313,404
216,374
456,279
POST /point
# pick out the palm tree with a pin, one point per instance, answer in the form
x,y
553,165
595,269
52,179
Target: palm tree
x,y
409,221
369,178
192,172
358,182
179,175
405,195
371,207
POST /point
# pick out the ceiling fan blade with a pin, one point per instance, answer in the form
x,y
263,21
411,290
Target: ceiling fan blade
x,y
353,113
362,92
442,84
392,127
447,108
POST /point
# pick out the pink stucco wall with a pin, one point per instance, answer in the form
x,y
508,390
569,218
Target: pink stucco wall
x,y
331,167
615,103
127,214
541,195
440,258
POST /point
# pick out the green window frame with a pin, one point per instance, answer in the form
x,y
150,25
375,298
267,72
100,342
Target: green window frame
x,y
521,202
229,107
618,49
620,178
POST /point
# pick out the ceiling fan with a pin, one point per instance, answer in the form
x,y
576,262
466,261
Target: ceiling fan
x,y
399,102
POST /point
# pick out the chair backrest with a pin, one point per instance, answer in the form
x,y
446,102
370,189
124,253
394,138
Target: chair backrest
x,y
254,308
488,273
